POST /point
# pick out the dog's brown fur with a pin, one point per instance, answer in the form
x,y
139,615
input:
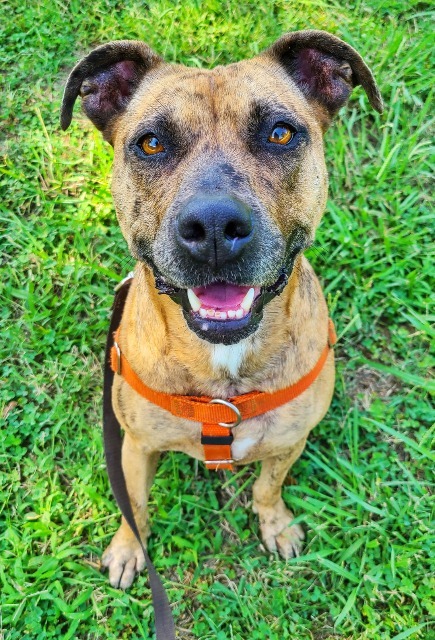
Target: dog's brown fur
x,y
210,112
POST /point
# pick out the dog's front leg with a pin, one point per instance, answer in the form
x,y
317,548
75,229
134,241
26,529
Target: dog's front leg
x,y
277,531
124,556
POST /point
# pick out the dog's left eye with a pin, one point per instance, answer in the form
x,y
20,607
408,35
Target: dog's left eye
x,y
281,134
150,144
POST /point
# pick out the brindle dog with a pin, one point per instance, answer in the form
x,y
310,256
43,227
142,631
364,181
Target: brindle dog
x,y
219,183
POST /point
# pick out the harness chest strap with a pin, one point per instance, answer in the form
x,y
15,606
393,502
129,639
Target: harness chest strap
x,y
218,416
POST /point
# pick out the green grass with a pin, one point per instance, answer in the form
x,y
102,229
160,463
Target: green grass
x,y
364,481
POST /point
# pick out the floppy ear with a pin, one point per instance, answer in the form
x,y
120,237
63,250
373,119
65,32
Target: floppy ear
x,y
106,80
325,69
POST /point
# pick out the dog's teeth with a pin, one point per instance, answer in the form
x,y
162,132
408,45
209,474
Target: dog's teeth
x,y
221,315
194,300
239,314
203,313
247,301
210,313
231,313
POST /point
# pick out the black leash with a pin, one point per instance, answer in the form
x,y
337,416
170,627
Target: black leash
x,y
165,629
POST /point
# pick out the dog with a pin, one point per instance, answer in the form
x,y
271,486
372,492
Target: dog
x,y
219,184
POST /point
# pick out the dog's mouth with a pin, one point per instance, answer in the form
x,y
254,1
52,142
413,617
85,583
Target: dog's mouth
x,y
223,312
222,301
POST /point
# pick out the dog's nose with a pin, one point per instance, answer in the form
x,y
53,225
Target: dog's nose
x,y
214,229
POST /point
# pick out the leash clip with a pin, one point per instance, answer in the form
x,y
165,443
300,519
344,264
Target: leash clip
x,y
129,276
230,405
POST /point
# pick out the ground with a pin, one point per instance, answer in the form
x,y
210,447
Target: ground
x,y
363,483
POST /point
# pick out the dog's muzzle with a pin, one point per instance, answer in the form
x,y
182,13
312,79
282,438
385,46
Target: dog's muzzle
x,y
217,235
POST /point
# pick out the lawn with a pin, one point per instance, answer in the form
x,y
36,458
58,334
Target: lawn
x,y
364,482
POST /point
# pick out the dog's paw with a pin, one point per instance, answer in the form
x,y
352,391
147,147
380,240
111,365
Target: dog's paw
x,y
278,533
124,558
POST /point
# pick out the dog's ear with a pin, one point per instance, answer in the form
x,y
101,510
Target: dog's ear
x,y
106,80
325,69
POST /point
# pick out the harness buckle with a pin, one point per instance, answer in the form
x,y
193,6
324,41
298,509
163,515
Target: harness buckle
x,y
118,357
230,405
332,335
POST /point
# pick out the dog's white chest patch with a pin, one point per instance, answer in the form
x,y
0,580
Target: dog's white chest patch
x,y
228,356
239,448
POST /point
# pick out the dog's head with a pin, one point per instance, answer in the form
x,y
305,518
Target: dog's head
x,y
219,178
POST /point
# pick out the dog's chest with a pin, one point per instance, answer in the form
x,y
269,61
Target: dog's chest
x,y
228,357
269,434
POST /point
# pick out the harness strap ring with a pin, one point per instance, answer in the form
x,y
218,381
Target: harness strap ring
x,y
230,405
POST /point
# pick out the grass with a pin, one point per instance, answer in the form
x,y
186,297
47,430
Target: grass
x,y
363,484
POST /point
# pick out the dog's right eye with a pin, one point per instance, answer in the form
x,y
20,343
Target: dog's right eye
x,y
150,144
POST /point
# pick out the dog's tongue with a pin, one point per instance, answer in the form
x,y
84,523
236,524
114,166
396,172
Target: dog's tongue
x,y
221,295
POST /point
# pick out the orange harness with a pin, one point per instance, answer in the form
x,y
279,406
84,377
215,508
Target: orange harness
x,y
218,416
